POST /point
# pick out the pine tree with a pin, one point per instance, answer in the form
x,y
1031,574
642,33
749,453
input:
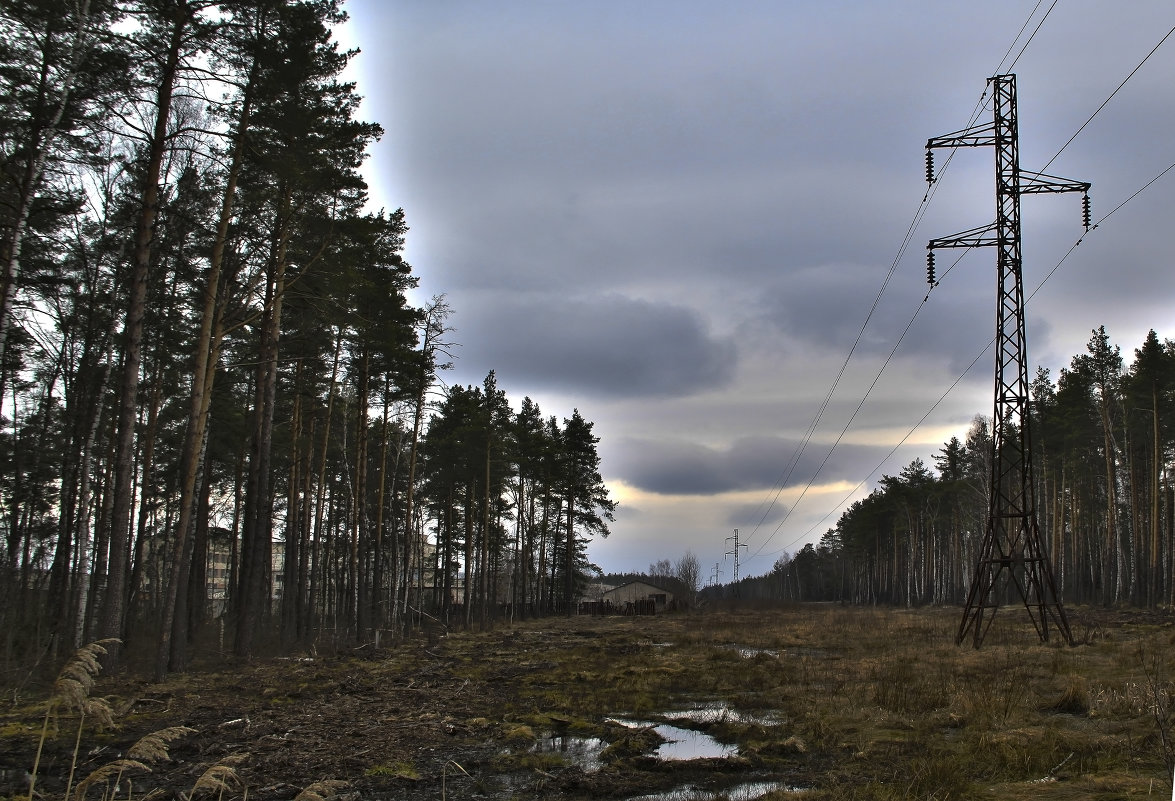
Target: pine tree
x,y
58,64
304,169
586,500
1101,371
170,28
247,32
1149,388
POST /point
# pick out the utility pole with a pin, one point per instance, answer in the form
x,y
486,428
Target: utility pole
x,y
734,552
1011,540
714,578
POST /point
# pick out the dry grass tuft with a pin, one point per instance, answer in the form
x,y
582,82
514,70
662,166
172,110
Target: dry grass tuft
x,y
154,746
99,709
77,677
220,778
518,733
1074,699
72,690
151,748
323,790
794,745
108,772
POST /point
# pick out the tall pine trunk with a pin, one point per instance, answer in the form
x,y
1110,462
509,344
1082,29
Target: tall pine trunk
x,y
114,611
172,652
295,500
257,541
360,554
1154,579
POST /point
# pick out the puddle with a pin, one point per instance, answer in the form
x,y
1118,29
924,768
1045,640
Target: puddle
x,y
719,712
751,653
741,792
583,752
746,652
682,744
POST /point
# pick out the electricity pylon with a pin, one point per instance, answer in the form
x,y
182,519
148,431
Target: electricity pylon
x,y
1011,542
735,553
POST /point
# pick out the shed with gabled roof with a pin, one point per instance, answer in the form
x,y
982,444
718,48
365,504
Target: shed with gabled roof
x,y
635,591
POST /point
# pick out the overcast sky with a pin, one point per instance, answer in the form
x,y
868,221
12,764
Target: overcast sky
x,y
676,217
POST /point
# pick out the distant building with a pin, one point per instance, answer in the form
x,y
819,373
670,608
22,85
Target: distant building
x,y
219,576
595,591
635,591
424,581
219,571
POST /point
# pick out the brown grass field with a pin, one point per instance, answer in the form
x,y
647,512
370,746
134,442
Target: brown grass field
x,y
827,702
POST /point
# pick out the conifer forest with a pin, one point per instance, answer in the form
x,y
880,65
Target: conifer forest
x,y
218,401
1102,443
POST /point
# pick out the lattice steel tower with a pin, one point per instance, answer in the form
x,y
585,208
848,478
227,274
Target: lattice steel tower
x,y
1012,556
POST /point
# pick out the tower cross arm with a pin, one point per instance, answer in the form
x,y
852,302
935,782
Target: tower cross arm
x,y
1039,183
975,136
983,236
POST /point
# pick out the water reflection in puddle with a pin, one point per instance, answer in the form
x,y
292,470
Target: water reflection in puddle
x,y
710,712
741,792
750,653
581,751
682,744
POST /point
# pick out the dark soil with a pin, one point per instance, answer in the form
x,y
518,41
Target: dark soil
x,y
853,703
412,721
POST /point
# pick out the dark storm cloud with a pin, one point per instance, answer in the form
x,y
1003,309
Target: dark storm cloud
x,y
684,211
599,346
678,467
826,306
760,514
549,136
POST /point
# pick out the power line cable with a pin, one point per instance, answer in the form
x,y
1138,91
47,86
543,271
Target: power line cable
x,y
861,404
1107,100
1012,66
920,213
893,450
978,356
845,429
1023,28
1098,223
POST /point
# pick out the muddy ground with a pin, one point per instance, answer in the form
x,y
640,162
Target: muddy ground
x,y
461,717
456,718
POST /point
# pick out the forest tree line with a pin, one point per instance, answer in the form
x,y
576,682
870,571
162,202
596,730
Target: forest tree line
x,y
208,356
1103,443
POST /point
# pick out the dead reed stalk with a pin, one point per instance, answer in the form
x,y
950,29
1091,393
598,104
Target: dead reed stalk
x,y
219,778
71,690
151,748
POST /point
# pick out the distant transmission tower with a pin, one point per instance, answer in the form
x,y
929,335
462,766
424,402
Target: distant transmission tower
x,y
734,552
1012,554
